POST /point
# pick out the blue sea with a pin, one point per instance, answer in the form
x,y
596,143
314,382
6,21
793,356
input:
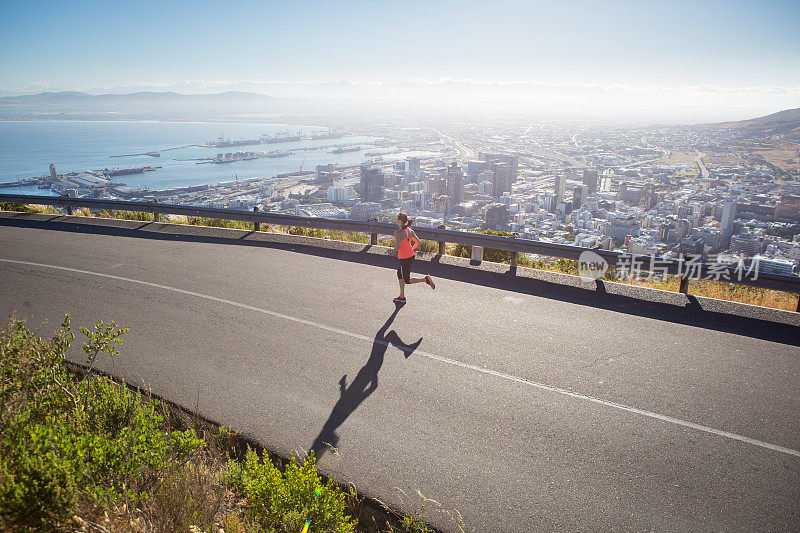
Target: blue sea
x,y
28,148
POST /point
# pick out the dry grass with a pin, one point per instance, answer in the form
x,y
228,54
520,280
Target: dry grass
x,y
679,157
189,495
731,292
784,157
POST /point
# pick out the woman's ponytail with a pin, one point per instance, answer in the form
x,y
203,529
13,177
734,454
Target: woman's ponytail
x,y
403,218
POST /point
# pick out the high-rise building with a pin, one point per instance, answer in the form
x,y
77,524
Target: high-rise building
x,y
501,178
549,202
621,226
371,183
474,168
340,193
590,180
580,194
691,246
513,163
728,216
496,216
324,169
413,165
365,211
455,184
745,243
709,236
437,186
560,188
664,232
485,187
442,204
511,160
52,170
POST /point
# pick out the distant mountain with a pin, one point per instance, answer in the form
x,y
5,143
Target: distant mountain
x,y
782,122
71,105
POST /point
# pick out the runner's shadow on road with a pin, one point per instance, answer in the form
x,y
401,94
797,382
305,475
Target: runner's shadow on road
x,y
364,384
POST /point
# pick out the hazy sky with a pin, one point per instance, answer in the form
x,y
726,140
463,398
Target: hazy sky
x,y
640,45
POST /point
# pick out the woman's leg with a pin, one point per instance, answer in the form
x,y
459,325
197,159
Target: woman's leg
x,y
407,273
400,275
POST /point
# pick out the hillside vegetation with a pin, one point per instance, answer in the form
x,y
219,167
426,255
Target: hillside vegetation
x,y
81,452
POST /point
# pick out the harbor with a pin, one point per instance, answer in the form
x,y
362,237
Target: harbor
x,y
272,175
280,137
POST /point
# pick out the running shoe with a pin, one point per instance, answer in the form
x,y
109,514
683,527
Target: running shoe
x,y
430,282
400,300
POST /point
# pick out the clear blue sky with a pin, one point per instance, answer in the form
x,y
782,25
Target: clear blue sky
x,y
78,44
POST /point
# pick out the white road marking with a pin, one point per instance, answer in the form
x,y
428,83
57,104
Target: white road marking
x,y
483,370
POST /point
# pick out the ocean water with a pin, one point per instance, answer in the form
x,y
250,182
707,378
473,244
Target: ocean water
x,y
28,148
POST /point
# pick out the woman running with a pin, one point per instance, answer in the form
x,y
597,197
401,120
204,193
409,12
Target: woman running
x,y
406,242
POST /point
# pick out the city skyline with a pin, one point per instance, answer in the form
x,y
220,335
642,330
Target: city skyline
x,y
715,60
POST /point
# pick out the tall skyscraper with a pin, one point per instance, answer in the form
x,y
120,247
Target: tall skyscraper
x,y
728,216
501,178
371,183
590,180
580,194
511,160
442,204
455,184
413,165
52,170
560,188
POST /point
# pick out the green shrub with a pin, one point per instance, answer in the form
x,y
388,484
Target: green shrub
x,y
489,254
431,247
62,440
565,266
126,215
284,501
9,206
220,223
37,481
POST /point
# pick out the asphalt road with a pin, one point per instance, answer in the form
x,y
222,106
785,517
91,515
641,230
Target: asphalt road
x,y
518,405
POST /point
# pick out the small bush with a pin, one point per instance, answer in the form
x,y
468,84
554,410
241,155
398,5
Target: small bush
x,y
220,223
431,247
126,215
9,206
284,501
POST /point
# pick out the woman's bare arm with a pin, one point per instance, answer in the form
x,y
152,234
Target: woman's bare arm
x,y
397,239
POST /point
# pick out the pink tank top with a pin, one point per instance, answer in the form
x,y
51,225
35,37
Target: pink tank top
x,y
405,250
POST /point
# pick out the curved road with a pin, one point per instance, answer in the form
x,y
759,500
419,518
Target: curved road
x,y
518,404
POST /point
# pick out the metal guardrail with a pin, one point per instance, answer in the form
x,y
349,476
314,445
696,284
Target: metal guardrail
x,y
518,245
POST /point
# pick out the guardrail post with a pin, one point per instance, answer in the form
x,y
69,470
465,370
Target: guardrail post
x,y
514,255
684,288
441,243
69,210
156,216
373,237
256,223
477,253
798,303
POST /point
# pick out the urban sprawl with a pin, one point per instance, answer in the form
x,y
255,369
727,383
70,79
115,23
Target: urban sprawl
x,y
717,193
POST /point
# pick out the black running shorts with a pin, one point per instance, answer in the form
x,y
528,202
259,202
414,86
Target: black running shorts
x,y
404,270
